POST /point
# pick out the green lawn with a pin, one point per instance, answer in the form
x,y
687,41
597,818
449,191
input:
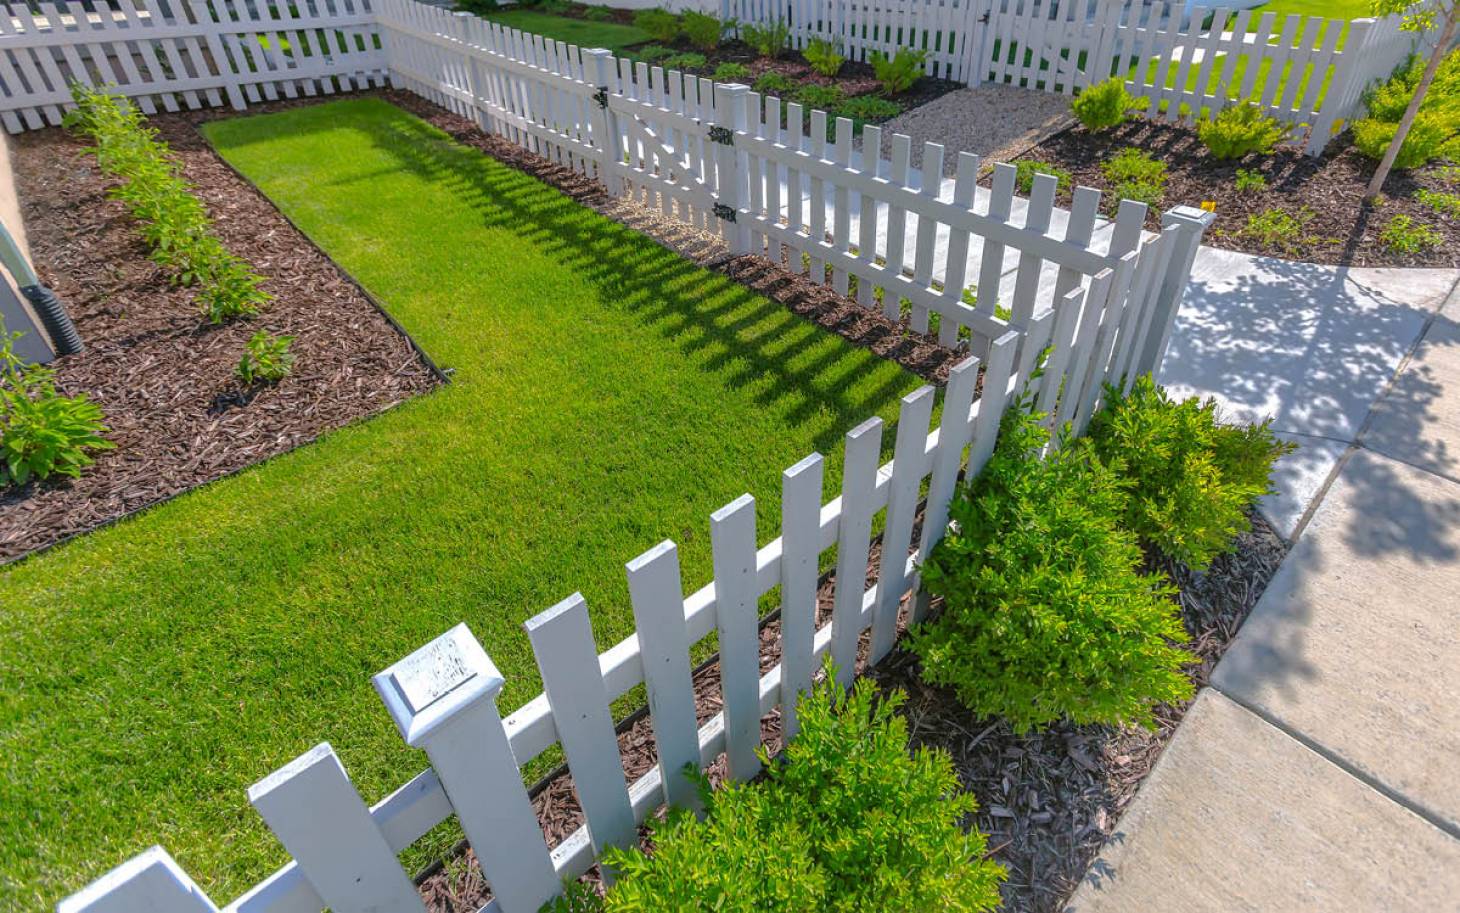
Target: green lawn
x,y
608,394
582,32
1328,9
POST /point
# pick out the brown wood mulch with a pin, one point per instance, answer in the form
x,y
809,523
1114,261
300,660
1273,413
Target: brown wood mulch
x,y
1047,800
1325,193
161,373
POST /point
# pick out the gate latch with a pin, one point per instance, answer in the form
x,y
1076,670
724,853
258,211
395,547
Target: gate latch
x,y
724,212
601,96
722,135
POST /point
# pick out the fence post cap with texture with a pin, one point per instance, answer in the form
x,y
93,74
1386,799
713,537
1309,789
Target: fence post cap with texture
x,y
436,682
149,881
1189,216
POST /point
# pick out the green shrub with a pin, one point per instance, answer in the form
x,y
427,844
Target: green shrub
x,y
172,219
1135,175
1026,169
480,7
555,7
1428,139
825,98
654,52
598,13
1443,204
42,433
1104,106
774,84
661,24
849,820
1191,479
898,73
1239,131
1046,614
824,56
1250,181
1404,235
265,358
702,29
767,40
731,72
688,60
869,109
1279,229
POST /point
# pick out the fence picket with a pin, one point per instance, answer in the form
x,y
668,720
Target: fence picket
x,y
800,555
732,539
854,536
902,505
150,882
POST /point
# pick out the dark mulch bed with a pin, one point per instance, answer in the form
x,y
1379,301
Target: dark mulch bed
x,y
1048,800
1326,191
161,373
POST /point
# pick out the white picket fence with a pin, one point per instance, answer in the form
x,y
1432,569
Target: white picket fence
x,y
170,54
1307,71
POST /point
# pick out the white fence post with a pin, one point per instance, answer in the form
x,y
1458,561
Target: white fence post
x,y
800,553
150,882
1191,224
313,808
599,63
730,99
443,699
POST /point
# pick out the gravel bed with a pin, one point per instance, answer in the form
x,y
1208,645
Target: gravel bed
x,y
997,123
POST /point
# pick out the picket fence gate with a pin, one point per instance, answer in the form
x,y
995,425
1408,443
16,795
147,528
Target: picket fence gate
x,y
1188,63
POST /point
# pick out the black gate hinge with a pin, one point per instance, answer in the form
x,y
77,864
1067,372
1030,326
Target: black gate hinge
x,y
722,135
601,96
724,212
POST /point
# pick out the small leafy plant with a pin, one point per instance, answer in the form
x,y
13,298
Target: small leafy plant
x,y
654,52
1404,235
898,73
266,358
660,23
1241,130
825,98
1104,106
768,40
1046,614
42,433
849,820
868,109
701,29
1279,229
1026,169
1443,204
598,13
730,72
1250,181
1135,175
774,84
1191,478
688,60
824,56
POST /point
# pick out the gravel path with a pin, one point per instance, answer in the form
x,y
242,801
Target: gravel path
x,y
994,122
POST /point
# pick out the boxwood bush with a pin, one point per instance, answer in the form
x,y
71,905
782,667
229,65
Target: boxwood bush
x,y
1104,106
1240,130
848,820
1046,613
1190,479
1436,130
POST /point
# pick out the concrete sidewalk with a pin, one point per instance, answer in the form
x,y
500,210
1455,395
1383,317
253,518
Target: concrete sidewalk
x,y
1321,771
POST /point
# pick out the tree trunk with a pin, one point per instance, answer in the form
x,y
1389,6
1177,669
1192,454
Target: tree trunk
x,y
1390,154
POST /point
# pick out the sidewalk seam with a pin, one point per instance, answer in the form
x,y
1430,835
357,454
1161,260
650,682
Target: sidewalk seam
x,y
1393,795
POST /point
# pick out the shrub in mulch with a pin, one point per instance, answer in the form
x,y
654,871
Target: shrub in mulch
x,y
161,373
1322,195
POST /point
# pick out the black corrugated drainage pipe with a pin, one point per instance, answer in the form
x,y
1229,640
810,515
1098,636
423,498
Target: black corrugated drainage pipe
x,y
64,338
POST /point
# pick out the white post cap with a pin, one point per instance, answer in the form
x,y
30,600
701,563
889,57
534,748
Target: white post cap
x,y
433,684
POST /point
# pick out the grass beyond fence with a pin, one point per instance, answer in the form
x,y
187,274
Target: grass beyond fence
x,y
608,394
585,33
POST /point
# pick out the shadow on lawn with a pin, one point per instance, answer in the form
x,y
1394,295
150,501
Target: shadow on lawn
x,y
731,331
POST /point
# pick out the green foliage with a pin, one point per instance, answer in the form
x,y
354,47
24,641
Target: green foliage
x,y
266,358
1191,478
774,84
1046,614
767,40
173,221
824,56
1278,228
688,60
898,73
1436,129
480,7
825,98
848,821
1104,106
1431,136
42,433
598,13
1135,175
661,25
554,7
1026,169
1250,181
1240,130
654,52
1418,16
868,109
1404,235
1444,204
701,29
1449,174
731,72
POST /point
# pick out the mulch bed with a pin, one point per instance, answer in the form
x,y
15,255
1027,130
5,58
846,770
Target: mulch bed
x,y
1326,192
161,373
1047,800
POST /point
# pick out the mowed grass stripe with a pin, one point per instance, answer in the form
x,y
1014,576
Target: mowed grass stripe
x,y
608,394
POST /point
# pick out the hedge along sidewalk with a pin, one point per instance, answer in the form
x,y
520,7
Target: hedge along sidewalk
x,y
607,393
